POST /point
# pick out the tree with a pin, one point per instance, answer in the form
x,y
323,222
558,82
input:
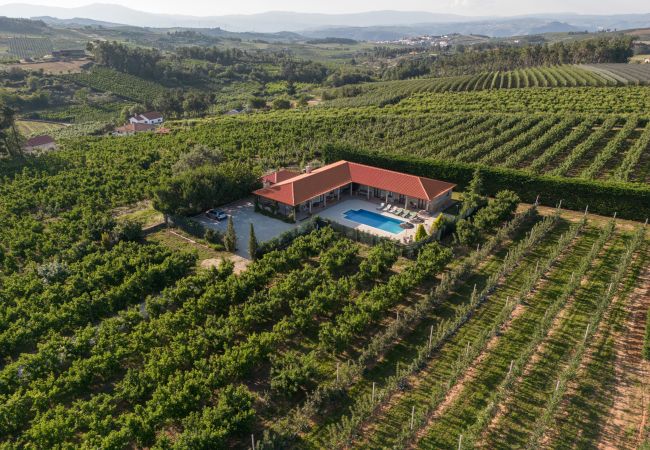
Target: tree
x,y
466,232
437,224
257,103
500,209
420,233
205,187
10,142
230,239
291,88
252,243
199,155
473,197
81,95
213,236
281,103
128,230
292,371
131,110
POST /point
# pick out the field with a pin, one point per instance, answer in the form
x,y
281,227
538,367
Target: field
x,y
598,75
29,47
537,131
325,344
54,67
80,113
32,128
623,73
121,84
112,339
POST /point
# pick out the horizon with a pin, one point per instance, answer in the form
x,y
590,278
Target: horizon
x,y
464,8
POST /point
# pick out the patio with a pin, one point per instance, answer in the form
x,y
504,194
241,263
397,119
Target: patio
x,y
335,211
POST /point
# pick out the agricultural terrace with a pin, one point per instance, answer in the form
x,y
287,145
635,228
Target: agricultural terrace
x,y
32,127
121,84
592,134
29,47
391,92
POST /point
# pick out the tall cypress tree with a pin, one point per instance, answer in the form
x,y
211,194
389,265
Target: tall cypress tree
x,y
230,239
252,243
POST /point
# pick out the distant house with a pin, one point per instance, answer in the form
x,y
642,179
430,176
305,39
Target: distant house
x,y
233,112
40,143
133,128
73,53
149,118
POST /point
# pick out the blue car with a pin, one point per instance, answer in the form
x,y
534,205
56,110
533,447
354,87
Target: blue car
x,y
216,214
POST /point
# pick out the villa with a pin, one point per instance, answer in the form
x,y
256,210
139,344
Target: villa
x,y
357,195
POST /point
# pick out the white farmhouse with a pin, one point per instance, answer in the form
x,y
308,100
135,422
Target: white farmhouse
x,y
148,118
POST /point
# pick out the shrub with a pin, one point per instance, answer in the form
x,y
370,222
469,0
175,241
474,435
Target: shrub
x,y
292,371
213,236
128,230
281,103
257,103
420,233
500,209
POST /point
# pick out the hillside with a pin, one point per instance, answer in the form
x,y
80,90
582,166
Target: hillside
x,y
455,254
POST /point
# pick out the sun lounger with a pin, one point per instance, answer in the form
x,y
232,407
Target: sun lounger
x,y
387,208
381,206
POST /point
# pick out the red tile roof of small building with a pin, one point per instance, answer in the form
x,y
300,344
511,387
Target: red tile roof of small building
x,y
37,141
279,176
299,189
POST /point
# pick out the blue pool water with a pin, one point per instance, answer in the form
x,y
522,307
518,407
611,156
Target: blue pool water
x,y
374,220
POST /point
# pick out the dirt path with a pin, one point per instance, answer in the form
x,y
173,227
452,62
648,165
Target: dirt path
x,y
628,414
240,263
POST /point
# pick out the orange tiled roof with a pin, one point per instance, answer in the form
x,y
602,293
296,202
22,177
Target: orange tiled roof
x,y
300,188
279,176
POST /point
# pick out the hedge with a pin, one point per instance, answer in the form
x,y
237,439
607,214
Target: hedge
x,y
627,200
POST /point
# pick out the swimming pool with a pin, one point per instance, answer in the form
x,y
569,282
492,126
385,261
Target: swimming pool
x,y
374,220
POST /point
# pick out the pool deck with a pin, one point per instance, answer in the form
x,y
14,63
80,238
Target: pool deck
x,y
337,211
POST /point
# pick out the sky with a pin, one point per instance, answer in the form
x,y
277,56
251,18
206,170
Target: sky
x,y
464,7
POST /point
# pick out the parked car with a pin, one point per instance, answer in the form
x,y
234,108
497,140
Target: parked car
x,y
216,214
